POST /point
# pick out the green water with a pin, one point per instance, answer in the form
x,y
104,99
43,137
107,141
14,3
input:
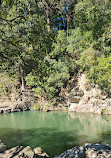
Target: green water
x,y
55,132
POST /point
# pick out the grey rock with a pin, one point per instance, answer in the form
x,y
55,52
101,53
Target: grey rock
x,y
38,150
1,111
94,154
7,111
15,110
88,151
2,147
26,152
21,152
86,100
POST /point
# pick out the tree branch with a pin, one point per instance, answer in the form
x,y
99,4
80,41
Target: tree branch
x,y
20,16
49,5
9,42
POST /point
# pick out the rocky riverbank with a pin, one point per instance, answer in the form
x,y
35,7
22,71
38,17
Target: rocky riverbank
x,y
25,101
21,152
87,151
86,98
16,102
83,98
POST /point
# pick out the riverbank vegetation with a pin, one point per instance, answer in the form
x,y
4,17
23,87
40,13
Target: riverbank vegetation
x,y
44,44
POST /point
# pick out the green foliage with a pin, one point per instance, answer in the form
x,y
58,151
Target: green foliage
x,y
59,45
78,41
96,60
74,41
24,39
7,84
37,107
88,58
50,78
98,67
37,90
106,111
49,104
47,60
92,16
102,73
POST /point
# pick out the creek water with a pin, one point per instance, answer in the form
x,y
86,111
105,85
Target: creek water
x,y
55,132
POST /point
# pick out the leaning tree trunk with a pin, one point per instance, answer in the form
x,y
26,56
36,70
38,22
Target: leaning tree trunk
x,y
48,20
22,78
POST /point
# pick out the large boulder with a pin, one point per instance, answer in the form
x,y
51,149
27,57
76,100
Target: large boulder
x,y
26,152
87,151
38,151
11,152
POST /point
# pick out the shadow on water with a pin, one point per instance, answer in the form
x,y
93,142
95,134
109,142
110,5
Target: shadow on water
x,y
52,141
105,137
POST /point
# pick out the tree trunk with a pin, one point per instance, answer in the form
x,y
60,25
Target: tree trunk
x,y
68,19
48,20
22,78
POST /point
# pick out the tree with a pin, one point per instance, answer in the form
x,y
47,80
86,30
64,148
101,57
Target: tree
x,y
92,16
49,7
66,10
48,79
17,31
44,43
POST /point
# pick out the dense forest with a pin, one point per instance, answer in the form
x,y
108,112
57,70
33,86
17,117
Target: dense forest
x,y
46,43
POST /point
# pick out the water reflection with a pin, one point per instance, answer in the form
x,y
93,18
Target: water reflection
x,y
55,131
